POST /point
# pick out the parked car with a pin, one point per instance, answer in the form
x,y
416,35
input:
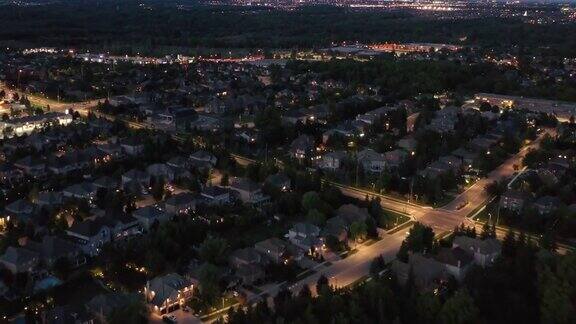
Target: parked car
x,y
169,319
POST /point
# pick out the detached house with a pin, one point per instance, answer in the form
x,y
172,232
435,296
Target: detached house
x,y
132,146
90,235
513,200
456,261
149,215
305,236
136,176
161,171
181,203
49,199
203,159
274,249
371,161
546,205
21,209
54,248
19,260
84,190
248,191
167,293
279,181
485,252
31,166
302,147
215,195
247,263
333,161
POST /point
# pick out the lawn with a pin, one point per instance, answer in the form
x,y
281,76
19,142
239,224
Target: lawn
x,y
78,291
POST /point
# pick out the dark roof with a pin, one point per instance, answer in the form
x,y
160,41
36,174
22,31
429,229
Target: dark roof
x,y
457,257
180,199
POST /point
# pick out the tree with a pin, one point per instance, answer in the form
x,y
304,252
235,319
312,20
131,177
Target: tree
x,y
311,200
134,312
427,308
225,180
158,189
509,244
459,309
548,241
358,231
377,265
213,250
556,305
371,228
487,231
322,285
208,277
420,239
316,217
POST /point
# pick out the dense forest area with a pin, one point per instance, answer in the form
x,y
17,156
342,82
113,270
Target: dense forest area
x,y
408,78
153,26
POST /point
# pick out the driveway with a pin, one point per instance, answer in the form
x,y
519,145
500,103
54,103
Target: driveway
x,y
182,317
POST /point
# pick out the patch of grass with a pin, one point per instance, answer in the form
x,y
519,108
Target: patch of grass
x,y
401,227
303,275
68,293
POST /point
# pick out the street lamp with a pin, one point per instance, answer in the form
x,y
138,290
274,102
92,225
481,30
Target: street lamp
x,y
18,82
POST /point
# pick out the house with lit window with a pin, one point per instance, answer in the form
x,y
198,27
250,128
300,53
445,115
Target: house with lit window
x,y
167,293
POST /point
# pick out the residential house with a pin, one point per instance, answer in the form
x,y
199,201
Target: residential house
x,y
333,161
455,163
173,119
302,147
394,159
292,117
435,169
352,213
132,146
249,191
106,183
181,203
18,260
426,271
279,181
178,162
167,293
305,236
49,199
457,261
31,166
54,248
203,159
274,249
371,161
149,215
513,200
242,257
485,251
90,235
122,226
546,205
408,143
161,171
215,195
21,209
136,176
83,190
